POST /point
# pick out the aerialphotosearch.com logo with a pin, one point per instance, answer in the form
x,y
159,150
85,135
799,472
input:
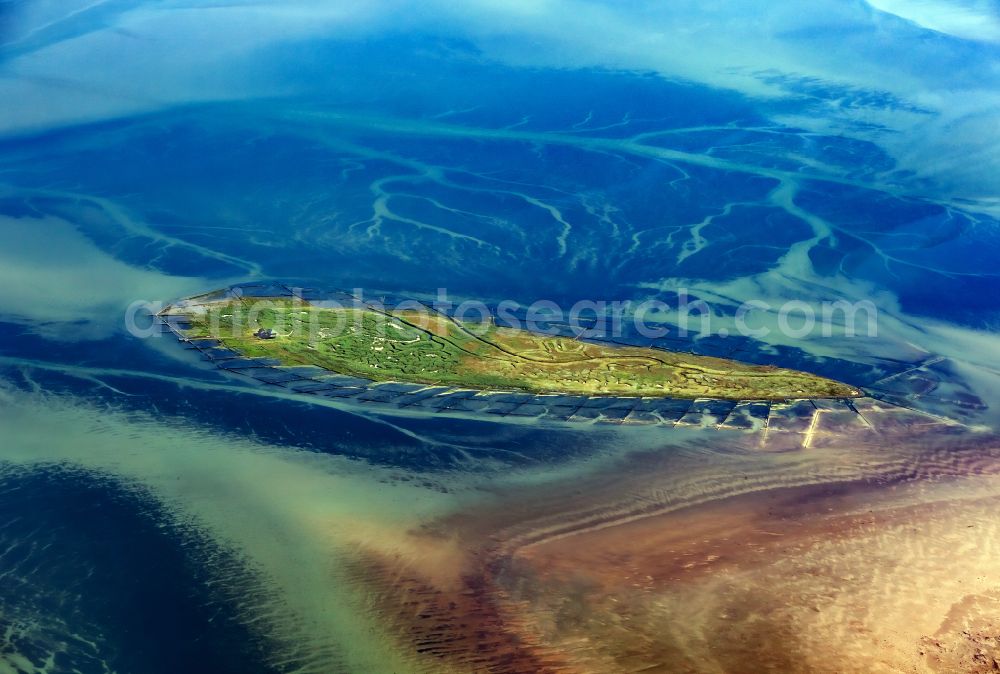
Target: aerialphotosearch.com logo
x,y
686,317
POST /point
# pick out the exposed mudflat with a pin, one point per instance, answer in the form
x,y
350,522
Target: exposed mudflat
x,y
882,568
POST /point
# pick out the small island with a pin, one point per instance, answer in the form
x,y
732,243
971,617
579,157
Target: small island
x,y
427,347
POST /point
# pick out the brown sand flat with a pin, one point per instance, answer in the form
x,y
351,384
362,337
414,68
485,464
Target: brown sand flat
x,y
755,587
850,559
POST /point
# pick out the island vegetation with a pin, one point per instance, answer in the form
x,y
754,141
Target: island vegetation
x,y
431,348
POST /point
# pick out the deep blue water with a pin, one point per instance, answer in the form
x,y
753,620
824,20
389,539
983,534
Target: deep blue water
x,y
93,582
